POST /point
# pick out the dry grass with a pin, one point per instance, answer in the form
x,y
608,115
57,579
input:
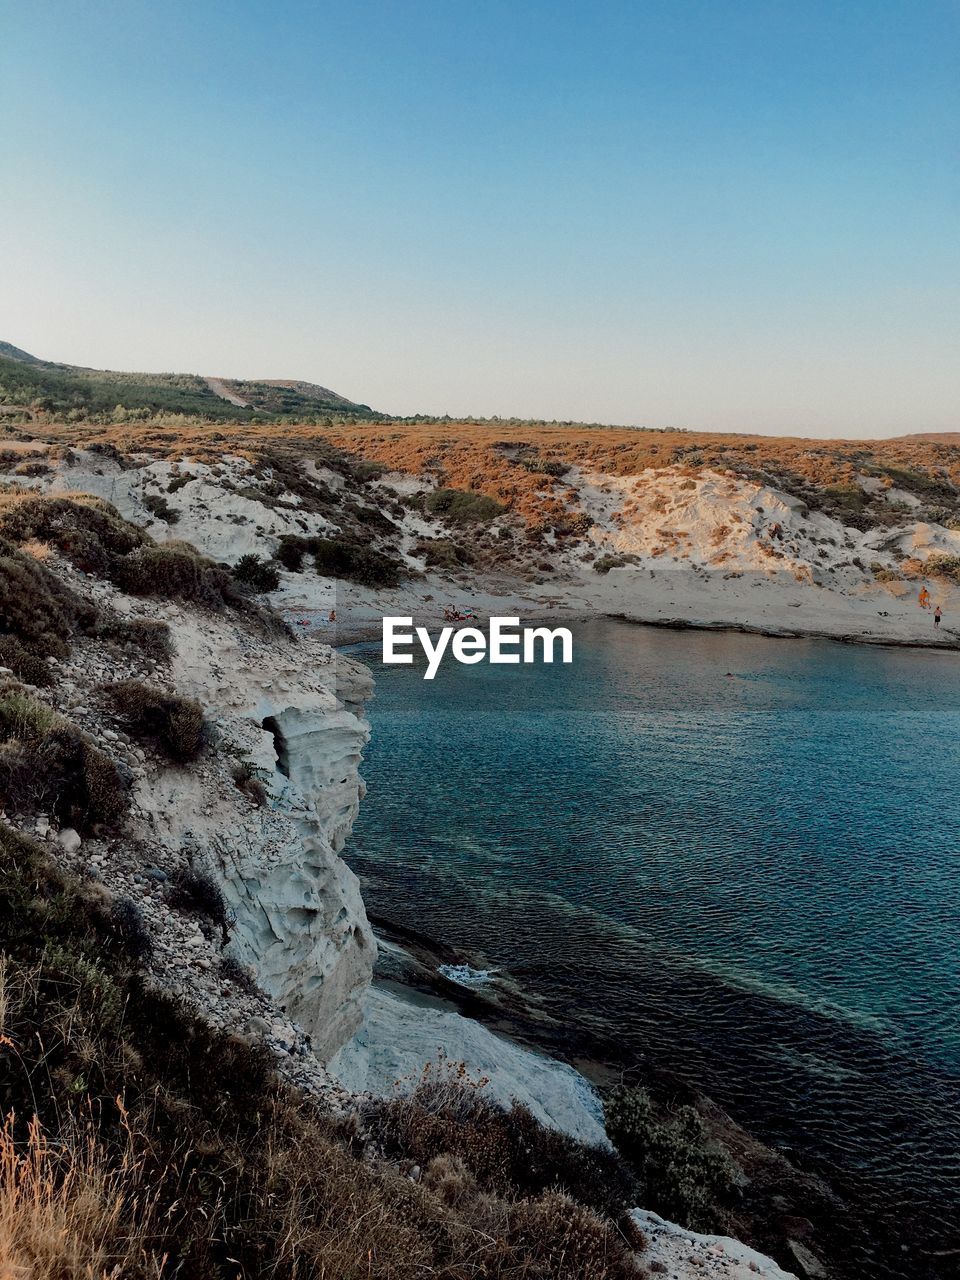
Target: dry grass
x,y
152,714
67,1210
524,467
142,1145
47,763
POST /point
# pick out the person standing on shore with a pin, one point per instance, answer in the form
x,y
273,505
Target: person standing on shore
x,y
937,615
924,598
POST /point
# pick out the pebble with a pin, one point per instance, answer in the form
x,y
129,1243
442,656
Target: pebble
x,y
69,840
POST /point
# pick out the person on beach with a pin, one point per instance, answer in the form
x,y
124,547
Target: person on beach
x,y
924,598
937,615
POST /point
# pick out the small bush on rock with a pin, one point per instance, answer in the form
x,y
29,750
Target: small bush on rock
x,y
291,551
442,553
158,506
150,636
47,763
38,614
174,723
341,558
257,574
605,563
460,507
507,1151
248,782
944,566
86,530
129,927
684,1174
198,892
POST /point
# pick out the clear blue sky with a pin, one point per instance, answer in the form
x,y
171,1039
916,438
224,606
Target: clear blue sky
x,y
734,214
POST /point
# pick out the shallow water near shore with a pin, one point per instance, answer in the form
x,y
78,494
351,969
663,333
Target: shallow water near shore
x,y
732,858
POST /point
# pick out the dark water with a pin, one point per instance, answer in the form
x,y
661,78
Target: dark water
x,y
749,880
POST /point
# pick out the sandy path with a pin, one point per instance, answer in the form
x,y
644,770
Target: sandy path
x,y
218,387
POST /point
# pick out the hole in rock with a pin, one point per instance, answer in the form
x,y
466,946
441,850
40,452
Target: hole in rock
x,y
279,745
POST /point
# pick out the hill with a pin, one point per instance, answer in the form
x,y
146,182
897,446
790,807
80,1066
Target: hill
x,y
31,388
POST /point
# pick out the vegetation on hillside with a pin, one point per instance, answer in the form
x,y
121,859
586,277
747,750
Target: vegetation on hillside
x,y
96,539
44,389
140,1143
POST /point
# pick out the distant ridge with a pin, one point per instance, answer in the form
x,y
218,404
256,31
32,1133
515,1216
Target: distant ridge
x,y
31,385
14,353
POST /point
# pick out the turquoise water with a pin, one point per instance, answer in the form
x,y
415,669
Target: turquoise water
x,y
733,858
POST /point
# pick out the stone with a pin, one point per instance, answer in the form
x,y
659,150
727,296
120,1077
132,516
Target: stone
x,y
69,840
808,1264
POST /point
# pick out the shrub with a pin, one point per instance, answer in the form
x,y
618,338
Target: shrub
x,y
32,467
944,566
442,553
86,530
175,571
197,892
233,971
566,1241
248,782
38,614
26,664
291,551
342,558
603,564
152,714
257,574
158,506
460,507
150,636
684,1175
883,574
508,1151
127,923
573,524
47,763
365,470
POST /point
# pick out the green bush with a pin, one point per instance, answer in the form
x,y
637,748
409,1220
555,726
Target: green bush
x,y
158,506
683,1173
150,636
86,530
175,573
257,574
247,781
460,507
38,614
443,553
47,763
508,1151
341,558
291,551
154,715
197,892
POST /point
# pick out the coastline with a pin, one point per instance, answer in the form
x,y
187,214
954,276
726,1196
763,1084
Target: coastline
x,y
509,1015
777,607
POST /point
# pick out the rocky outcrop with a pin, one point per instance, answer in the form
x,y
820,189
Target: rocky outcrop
x,y
399,1036
680,1254
291,714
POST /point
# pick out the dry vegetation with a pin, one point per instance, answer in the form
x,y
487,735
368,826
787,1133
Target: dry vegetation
x,y
524,467
140,1144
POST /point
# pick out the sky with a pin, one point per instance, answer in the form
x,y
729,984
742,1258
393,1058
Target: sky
x,y
738,215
